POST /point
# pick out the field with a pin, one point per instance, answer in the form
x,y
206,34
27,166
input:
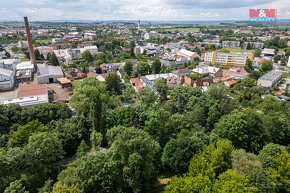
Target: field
x,y
237,50
184,29
44,41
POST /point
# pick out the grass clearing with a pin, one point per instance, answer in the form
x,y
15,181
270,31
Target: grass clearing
x,y
44,41
237,50
24,59
286,75
184,29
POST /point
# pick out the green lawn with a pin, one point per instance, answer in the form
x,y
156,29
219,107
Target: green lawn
x,y
237,50
286,75
184,29
24,59
44,41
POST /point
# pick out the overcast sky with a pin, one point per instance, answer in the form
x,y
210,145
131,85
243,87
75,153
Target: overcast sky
x,y
162,10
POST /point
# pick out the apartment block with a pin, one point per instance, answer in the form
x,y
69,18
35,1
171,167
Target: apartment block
x,y
230,44
230,59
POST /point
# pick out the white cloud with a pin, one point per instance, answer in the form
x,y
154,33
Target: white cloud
x,y
136,9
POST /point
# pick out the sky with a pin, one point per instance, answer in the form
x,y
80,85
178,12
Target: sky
x,y
153,10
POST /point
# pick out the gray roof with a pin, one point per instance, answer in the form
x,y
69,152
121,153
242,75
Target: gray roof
x,y
270,76
145,80
6,72
50,70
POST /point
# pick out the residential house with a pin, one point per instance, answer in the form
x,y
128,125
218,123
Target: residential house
x,y
203,84
188,54
102,77
136,83
90,36
236,73
181,73
204,70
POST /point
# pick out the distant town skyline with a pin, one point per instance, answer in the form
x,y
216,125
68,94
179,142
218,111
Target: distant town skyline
x,y
162,10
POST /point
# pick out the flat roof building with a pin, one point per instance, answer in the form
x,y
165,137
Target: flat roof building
x,y
29,95
230,59
269,79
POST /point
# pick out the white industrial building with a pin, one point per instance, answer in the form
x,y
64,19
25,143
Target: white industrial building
x,y
29,95
269,79
7,72
49,74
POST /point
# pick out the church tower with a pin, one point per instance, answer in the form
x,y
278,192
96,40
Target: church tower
x,y
139,27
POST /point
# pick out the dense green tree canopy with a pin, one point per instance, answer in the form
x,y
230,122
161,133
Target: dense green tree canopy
x,y
178,152
45,147
22,134
156,66
161,86
244,129
143,68
81,98
146,96
87,56
128,68
134,152
114,83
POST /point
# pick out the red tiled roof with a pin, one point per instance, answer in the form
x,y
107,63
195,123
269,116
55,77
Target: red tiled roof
x,y
136,82
92,74
232,82
32,90
261,60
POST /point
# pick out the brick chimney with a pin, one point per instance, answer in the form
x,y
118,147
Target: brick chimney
x,y
30,45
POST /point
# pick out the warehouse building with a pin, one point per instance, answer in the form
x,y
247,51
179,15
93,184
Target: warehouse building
x,y
29,95
269,79
49,74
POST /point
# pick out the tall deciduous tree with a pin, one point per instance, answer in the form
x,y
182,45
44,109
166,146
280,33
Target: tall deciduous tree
x,y
143,68
266,66
81,99
135,152
244,129
156,66
96,111
230,181
128,68
161,85
146,96
53,59
22,134
178,152
45,147
244,163
114,83
87,56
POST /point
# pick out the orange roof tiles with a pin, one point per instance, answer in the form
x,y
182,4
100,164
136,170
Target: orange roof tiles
x,y
63,80
32,90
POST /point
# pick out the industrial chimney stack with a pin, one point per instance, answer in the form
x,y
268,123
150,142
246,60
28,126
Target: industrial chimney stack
x,y
30,45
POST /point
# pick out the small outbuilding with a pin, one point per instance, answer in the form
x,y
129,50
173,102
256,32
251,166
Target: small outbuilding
x,y
64,82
